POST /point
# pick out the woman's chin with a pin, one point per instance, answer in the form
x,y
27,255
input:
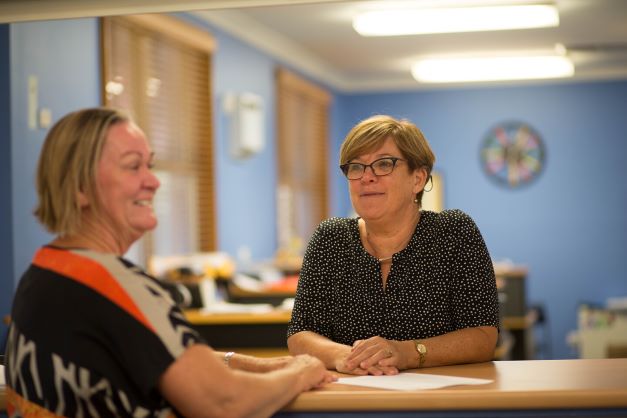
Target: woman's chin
x,y
142,228
371,216
149,227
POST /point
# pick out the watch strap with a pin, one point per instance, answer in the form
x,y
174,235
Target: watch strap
x,y
422,352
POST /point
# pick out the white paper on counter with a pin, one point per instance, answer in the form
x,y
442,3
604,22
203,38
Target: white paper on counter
x,y
2,382
411,381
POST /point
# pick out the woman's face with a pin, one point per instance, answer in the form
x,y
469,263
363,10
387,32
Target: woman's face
x,y
385,198
126,184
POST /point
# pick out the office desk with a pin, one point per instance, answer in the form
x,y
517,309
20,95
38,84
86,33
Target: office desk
x,y
265,334
260,334
554,388
521,329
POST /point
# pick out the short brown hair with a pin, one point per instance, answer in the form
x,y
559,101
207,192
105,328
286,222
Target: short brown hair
x,y
67,165
369,134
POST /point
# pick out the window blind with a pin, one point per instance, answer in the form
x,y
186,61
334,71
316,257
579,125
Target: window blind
x,y
303,125
158,69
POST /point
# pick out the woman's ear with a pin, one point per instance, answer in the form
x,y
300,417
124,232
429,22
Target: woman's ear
x,y
420,179
83,201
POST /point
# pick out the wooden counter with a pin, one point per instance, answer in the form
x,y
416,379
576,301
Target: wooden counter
x,y
597,386
555,388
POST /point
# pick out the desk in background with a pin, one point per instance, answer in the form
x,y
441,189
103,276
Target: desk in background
x,y
265,334
259,334
517,320
533,388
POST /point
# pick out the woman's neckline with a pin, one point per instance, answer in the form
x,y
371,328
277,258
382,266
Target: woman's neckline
x,y
406,242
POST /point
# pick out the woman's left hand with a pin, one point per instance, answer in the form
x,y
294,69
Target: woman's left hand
x,y
376,351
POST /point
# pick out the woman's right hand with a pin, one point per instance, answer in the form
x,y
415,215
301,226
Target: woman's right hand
x,y
333,355
343,366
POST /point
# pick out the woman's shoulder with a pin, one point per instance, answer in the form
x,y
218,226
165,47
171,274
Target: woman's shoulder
x,y
108,267
450,218
332,231
337,224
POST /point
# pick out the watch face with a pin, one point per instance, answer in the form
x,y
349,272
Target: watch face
x,y
512,154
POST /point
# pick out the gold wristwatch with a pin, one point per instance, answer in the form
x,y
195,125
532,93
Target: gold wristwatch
x,y
422,352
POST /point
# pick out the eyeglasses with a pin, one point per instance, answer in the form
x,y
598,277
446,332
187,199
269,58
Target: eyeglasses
x,y
380,167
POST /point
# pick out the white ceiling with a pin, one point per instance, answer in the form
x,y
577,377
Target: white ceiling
x,y
317,37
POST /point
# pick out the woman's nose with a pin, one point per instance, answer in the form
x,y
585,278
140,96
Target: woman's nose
x,y
368,174
152,181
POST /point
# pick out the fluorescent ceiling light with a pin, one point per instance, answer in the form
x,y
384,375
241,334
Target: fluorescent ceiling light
x,y
455,70
459,19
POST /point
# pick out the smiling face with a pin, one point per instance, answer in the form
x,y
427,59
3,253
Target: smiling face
x,y
390,197
125,184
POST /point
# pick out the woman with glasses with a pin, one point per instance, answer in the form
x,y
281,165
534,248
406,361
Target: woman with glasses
x,y
397,287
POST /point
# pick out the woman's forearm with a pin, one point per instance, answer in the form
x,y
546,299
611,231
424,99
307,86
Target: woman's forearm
x,y
468,345
199,386
253,364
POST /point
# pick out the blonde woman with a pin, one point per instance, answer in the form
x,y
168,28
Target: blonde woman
x,y
94,335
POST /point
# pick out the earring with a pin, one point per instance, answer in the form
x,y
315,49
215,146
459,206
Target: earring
x,y
416,200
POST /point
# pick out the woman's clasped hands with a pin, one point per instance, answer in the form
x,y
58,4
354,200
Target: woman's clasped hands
x,y
376,356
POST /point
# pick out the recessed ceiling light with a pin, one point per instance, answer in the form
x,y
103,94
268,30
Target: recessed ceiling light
x,y
459,19
455,70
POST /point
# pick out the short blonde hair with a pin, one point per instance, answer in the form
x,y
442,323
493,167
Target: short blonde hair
x,y
371,133
67,166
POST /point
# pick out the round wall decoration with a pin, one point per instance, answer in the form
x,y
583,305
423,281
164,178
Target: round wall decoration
x,y
512,154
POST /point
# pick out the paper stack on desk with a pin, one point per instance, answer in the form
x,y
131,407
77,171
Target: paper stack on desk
x,y
411,381
225,307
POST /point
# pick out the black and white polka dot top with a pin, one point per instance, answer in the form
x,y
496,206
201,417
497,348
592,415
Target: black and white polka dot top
x,y
441,282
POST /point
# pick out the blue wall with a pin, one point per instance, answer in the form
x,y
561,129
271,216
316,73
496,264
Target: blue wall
x,y
6,229
246,186
568,227
63,55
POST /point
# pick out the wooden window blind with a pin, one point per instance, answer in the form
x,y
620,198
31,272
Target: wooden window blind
x,y
303,136
157,68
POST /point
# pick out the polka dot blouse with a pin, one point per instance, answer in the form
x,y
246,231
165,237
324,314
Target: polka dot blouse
x,y
441,282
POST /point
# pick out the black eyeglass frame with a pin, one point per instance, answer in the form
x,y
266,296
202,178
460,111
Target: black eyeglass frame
x,y
344,167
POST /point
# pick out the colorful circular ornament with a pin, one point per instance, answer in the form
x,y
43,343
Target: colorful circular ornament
x,y
512,154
